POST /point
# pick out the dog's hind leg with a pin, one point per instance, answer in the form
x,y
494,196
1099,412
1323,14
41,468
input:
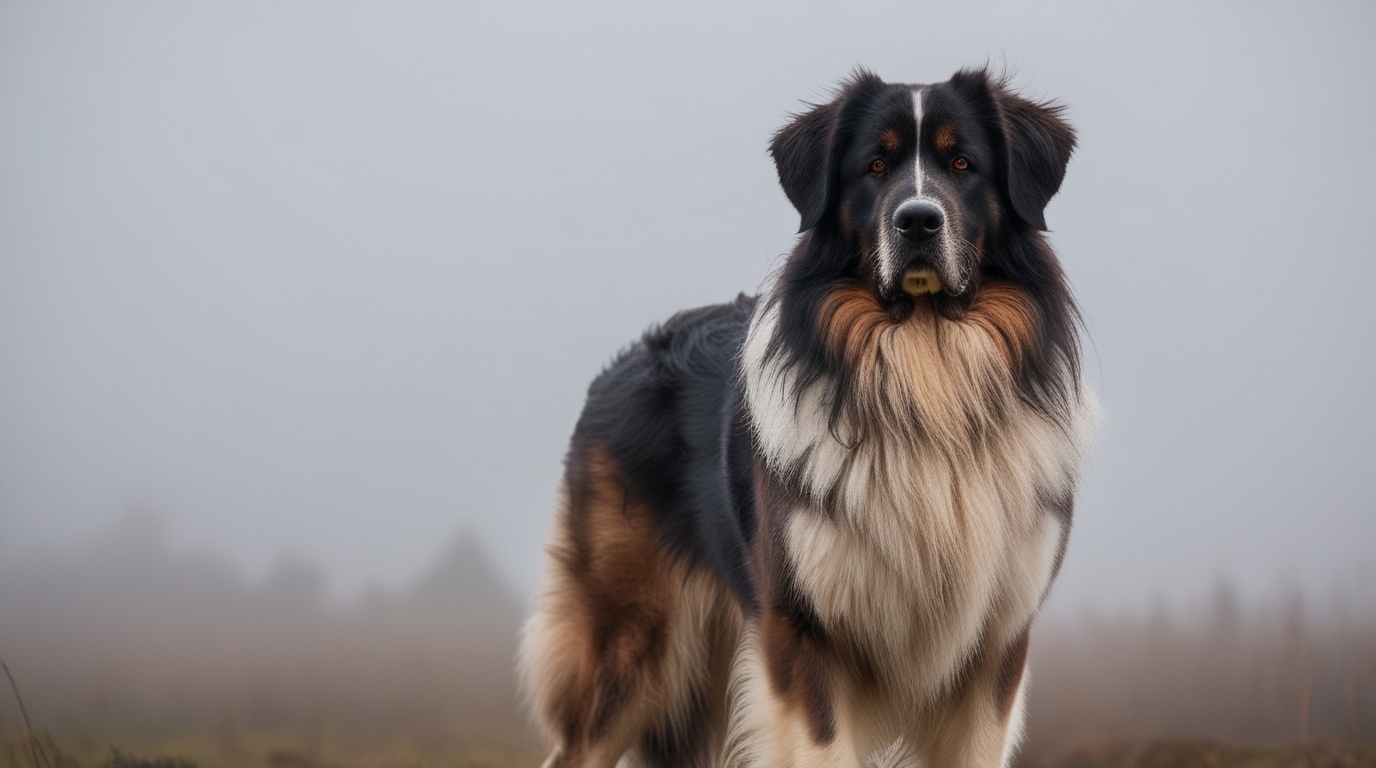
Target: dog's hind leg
x,y
609,655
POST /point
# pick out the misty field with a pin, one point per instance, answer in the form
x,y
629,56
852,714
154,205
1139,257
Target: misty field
x,y
128,655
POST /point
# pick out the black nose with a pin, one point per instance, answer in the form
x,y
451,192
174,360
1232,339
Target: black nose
x,y
917,220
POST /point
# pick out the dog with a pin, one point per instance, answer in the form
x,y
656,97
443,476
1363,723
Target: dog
x,y
813,527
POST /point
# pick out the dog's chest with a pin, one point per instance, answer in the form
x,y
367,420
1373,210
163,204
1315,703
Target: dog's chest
x,y
930,554
915,547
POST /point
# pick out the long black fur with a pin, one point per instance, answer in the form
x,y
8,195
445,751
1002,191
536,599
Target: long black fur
x,y
670,411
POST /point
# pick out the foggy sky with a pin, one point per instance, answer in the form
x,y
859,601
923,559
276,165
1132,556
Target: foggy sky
x,y
329,281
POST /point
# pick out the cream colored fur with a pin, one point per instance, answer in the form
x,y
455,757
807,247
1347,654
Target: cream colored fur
x,y
941,538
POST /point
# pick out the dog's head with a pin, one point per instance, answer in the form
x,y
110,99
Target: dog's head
x,y
921,180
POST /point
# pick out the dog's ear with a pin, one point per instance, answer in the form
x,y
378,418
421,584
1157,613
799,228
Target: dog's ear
x,y
807,150
1038,142
803,152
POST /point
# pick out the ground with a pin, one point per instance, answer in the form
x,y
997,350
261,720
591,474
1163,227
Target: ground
x,y
296,751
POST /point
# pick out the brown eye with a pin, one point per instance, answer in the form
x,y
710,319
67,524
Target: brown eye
x,y
960,163
877,165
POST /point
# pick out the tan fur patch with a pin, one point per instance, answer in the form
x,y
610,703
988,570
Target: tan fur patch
x,y
851,317
622,632
601,622
945,138
953,375
1005,313
890,140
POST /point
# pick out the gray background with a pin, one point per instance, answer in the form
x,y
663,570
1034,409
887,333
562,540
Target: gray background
x,y
328,281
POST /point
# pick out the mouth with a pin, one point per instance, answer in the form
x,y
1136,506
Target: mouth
x,y
918,281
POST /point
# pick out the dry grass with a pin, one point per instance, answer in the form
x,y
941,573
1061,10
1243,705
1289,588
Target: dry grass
x,y
260,750
1193,754
1283,673
295,751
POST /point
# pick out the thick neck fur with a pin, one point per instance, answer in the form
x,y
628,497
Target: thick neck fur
x,y
1040,338
938,448
948,375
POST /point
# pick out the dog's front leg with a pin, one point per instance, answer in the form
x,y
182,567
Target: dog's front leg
x,y
980,724
789,708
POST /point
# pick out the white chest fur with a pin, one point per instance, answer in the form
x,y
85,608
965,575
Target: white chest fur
x,y
922,541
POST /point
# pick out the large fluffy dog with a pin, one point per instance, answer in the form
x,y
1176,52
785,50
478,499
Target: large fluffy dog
x,y
812,528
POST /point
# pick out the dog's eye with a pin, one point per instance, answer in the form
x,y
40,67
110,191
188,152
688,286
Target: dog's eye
x,y
960,163
877,165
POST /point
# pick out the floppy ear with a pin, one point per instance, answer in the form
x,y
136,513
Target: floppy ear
x,y
1038,143
803,152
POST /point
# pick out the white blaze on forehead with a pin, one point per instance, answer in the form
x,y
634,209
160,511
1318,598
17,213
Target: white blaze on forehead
x,y
949,266
917,131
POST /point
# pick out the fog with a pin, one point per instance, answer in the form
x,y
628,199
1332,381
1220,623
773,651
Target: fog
x,y
123,642
324,284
